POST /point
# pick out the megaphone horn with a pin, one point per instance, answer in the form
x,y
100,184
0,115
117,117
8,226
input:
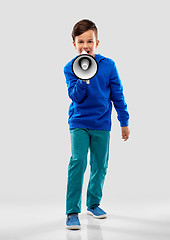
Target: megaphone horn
x,y
85,66
84,63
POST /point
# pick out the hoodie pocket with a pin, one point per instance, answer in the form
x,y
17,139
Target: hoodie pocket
x,y
96,105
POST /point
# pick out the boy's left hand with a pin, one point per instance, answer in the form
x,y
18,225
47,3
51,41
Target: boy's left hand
x,y
125,133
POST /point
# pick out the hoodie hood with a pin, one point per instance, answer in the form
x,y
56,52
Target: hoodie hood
x,y
99,57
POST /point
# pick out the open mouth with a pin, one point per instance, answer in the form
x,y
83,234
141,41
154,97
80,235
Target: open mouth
x,y
88,52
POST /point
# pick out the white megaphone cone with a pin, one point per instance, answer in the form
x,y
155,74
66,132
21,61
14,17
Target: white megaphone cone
x,y
84,52
85,66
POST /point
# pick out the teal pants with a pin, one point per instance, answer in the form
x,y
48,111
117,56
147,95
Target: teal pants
x,y
82,140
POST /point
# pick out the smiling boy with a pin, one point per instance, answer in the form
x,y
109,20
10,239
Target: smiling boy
x,y
90,124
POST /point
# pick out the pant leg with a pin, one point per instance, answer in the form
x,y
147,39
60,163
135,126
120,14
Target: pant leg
x,y
77,166
99,155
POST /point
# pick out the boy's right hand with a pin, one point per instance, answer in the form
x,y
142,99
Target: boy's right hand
x,y
125,133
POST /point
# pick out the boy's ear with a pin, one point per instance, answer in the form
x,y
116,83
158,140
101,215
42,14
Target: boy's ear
x,y
74,45
97,43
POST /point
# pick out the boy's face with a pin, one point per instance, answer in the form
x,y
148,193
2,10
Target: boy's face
x,y
86,41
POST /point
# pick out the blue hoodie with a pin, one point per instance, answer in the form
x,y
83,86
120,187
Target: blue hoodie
x,y
91,105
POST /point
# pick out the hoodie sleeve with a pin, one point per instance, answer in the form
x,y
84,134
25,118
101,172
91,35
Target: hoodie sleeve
x,y
117,97
77,89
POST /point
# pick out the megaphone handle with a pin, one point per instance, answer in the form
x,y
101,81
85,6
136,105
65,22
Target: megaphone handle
x,y
88,81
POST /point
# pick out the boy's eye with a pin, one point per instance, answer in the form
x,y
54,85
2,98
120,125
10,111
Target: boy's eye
x,y
82,41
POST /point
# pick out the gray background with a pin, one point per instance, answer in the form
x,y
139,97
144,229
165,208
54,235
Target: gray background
x,y
34,137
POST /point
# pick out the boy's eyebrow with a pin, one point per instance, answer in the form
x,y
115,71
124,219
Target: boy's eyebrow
x,y
83,40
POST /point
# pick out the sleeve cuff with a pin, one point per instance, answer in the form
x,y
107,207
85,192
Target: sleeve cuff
x,y
124,123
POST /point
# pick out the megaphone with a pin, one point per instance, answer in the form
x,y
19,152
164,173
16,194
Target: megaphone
x,y
85,66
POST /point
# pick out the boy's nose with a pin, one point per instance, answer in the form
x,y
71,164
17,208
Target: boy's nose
x,y
85,45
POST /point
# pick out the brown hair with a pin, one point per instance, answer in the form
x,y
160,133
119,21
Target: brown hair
x,y
83,26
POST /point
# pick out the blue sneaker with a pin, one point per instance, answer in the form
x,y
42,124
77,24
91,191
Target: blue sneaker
x,y
96,212
73,222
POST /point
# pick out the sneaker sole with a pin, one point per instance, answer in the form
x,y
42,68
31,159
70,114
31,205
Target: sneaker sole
x,y
100,216
74,227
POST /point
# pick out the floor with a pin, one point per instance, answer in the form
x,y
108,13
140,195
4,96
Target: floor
x,y
41,222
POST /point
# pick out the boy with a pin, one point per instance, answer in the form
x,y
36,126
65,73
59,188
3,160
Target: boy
x,y
90,124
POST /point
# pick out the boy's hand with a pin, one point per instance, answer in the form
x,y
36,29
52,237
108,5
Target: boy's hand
x,y
125,133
